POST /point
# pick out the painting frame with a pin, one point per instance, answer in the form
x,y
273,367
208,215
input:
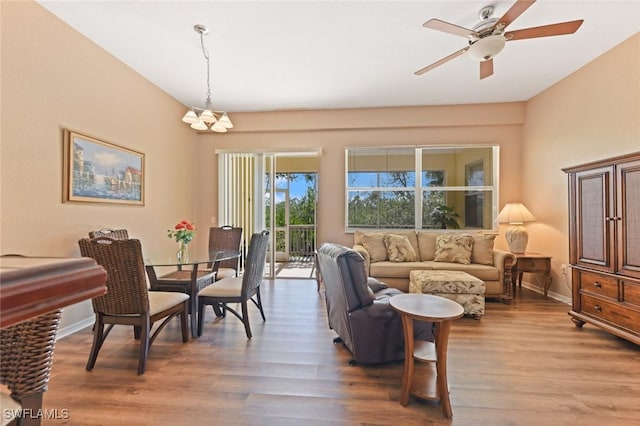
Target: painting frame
x,y
97,171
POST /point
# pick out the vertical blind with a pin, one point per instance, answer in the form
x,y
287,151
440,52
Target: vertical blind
x,y
237,178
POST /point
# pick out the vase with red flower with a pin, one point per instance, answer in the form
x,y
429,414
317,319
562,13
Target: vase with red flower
x,y
183,233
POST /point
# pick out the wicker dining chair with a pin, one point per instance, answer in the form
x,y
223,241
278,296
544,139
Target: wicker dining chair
x,y
128,301
225,238
26,352
239,289
116,234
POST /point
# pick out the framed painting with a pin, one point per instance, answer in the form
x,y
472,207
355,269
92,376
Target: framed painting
x,y
96,171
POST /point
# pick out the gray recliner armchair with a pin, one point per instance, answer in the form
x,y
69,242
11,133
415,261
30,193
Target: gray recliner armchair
x,y
358,308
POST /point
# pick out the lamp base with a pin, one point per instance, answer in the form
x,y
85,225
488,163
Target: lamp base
x,y
517,238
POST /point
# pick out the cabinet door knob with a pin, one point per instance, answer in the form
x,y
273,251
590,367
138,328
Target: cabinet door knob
x,y
597,284
598,308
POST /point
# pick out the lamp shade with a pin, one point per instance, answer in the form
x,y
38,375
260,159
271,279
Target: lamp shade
x,y
190,117
515,213
218,127
207,116
225,121
199,125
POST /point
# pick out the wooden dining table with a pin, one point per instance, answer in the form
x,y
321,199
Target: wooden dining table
x,y
189,276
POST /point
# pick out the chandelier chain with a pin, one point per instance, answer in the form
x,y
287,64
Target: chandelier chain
x,y
206,56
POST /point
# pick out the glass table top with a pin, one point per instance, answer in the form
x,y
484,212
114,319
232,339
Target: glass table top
x,y
214,256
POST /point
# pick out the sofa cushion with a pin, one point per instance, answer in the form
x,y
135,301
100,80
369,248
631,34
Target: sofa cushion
x,y
427,244
454,248
482,251
388,269
373,242
399,249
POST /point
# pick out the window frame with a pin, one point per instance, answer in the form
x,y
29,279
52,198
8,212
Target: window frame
x,y
419,190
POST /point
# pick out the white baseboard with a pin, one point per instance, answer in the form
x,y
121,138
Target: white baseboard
x,y
551,294
66,331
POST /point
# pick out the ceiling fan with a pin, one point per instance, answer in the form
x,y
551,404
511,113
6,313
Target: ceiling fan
x,y
488,38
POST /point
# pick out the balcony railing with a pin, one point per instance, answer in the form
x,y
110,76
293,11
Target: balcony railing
x,y
302,240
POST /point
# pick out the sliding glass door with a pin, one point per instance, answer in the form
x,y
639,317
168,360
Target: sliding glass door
x,y
274,191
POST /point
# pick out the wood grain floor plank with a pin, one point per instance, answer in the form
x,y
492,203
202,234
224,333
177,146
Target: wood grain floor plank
x,y
521,364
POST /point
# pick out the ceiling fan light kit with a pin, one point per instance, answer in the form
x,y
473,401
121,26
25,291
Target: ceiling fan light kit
x,y
486,48
488,37
206,118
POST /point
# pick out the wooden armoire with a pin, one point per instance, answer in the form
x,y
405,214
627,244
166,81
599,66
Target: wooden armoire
x,y
604,244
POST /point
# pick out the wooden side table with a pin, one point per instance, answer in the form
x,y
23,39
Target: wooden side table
x,y
534,263
440,311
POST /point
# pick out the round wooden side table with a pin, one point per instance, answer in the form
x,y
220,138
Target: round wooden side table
x,y
440,311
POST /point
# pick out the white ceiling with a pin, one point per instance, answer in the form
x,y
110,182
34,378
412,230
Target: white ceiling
x,y
271,55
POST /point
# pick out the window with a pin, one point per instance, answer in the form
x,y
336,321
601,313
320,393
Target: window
x,y
381,188
422,187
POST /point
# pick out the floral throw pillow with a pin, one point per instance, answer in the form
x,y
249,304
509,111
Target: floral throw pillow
x,y
399,249
454,248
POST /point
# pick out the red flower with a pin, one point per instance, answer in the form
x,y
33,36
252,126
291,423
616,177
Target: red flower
x,y
183,231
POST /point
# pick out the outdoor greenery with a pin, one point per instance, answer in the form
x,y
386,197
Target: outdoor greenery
x,y
395,208
301,211
391,207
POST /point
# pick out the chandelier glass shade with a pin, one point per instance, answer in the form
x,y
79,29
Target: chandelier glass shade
x,y
206,118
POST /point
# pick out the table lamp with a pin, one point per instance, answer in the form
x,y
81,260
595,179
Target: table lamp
x,y
516,214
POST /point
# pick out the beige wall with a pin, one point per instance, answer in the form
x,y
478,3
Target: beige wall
x,y
592,114
63,80
334,130
54,78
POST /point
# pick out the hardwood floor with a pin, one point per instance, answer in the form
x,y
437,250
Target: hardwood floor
x,y
522,364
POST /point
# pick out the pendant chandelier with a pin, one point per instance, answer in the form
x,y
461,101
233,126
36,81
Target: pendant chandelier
x,y
207,118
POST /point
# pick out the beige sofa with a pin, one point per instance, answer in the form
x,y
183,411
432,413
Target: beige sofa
x,y
389,258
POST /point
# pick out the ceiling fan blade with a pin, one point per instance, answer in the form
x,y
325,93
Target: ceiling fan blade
x,y
486,69
516,10
545,30
441,61
436,24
